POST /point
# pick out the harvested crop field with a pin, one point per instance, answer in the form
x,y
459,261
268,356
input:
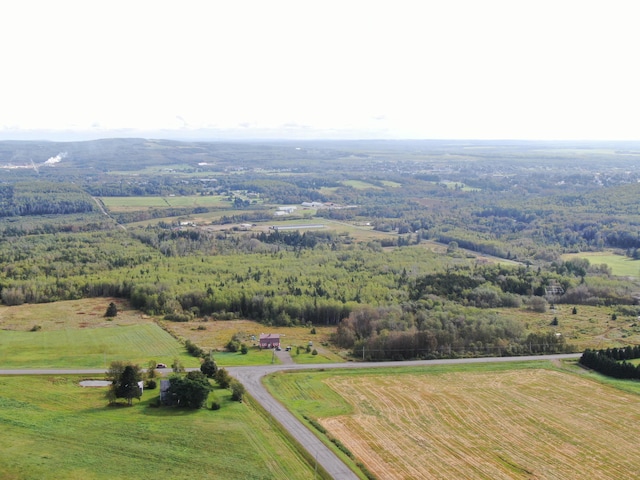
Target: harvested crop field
x,y
520,423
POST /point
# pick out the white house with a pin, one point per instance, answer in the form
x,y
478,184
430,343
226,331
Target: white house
x,y
288,209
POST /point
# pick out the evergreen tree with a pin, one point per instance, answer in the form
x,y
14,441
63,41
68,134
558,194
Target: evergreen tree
x,y
126,384
112,310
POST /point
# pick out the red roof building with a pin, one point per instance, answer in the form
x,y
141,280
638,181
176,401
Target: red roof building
x,y
269,340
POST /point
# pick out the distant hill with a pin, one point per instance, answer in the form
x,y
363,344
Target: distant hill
x,y
135,154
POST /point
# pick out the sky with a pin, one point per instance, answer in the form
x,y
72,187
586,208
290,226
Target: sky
x,y
447,69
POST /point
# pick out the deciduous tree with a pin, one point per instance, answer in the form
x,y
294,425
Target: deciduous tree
x,y
190,391
209,367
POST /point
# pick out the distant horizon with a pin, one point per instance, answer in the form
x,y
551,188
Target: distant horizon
x,y
267,135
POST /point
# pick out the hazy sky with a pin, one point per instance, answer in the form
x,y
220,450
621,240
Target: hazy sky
x,y
559,69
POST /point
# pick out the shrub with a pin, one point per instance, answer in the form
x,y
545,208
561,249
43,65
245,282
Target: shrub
x,y
367,473
341,447
177,366
315,424
315,352
35,328
151,385
177,317
538,304
194,349
215,406
237,390
222,378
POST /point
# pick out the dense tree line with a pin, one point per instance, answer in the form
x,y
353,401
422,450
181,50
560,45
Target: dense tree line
x,y
402,334
296,239
300,278
613,361
43,198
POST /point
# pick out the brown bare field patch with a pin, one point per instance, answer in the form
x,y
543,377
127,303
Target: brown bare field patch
x,y
214,335
591,326
71,314
529,424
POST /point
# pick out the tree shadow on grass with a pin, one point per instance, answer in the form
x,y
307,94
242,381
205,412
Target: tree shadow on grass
x,y
146,407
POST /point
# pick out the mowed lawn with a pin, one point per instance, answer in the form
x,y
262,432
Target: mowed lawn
x,y
75,334
474,422
54,429
620,265
90,348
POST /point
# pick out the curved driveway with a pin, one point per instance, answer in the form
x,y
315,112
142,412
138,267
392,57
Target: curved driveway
x,y
251,378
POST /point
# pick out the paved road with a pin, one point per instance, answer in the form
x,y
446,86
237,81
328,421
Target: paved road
x,y
251,378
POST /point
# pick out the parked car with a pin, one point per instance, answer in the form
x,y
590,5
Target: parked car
x,y
161,365
288,349
278,349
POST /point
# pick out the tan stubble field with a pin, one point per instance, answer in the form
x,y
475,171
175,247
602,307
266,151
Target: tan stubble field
x,y
494,425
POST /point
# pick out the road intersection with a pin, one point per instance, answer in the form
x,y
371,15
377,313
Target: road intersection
x,y
251,378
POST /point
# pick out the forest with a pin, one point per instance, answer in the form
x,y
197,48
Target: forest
x,y
420,242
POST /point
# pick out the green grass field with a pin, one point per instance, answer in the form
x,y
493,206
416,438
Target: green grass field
x,y
52,429
359,185
620,265
90,348
389,183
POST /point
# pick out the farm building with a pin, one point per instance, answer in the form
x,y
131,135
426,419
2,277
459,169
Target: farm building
x,y
165,397
287,210
269,340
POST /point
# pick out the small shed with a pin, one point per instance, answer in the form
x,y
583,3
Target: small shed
x,y
269,340
166,398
